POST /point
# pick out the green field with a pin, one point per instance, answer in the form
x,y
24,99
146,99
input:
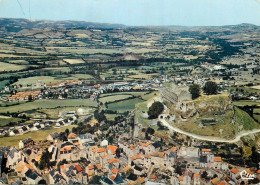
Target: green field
x,y
3,83
111,117
246,102
136,93
21,62
6,120
51,79
54,113
46,104
245,90
75,76
11,67
123,106
33,80
257,117
110,99
128,105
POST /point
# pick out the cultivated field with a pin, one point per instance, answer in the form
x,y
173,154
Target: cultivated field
x,y
141,93
47,104
6,120
245,103
55,112
33,80
74,61
10,67
143,76
21,62
114,98
123,106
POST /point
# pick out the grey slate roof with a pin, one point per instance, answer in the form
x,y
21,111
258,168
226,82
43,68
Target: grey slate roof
x,y
11,153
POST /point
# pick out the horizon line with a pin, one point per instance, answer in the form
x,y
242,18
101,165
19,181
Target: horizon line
x,y
129,25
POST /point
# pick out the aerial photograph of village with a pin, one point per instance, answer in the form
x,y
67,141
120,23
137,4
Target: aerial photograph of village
x,y
151,92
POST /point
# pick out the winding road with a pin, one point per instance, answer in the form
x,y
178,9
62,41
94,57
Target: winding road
x,y
209,138
200,137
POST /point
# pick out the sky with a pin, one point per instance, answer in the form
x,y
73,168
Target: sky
x,y
137,12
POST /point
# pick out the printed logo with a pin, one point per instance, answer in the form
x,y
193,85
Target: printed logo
x,y
247,176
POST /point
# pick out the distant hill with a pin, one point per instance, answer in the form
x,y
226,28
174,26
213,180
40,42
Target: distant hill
x,y
15,25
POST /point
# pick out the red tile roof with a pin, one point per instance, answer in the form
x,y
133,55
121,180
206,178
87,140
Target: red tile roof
x,y
113,160
217,159
215,181
125,169
78,168
91,167
112,148
234,170
115,170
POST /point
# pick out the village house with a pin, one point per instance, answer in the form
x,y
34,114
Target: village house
x,y
13,157
13,132
196,179
53,136
56,178
234,174
188,152
33,177
26,143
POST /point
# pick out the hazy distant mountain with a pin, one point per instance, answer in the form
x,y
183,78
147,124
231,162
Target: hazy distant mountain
x,y
11,24
16,25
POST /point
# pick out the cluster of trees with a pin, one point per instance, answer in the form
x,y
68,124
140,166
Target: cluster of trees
x,y
209,89
149,131
195,91
155,110
100,116
45,161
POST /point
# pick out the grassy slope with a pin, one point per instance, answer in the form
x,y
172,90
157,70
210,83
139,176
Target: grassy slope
x,y
35,135
242,118
223,121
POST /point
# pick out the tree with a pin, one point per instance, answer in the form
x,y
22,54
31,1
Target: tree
x,y
118,152
30,97
67,131
45,160
150,130
204,175
178,170
95,180
210,88
195,91
155,110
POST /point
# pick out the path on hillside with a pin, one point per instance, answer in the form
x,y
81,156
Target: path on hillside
x,y
209,138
